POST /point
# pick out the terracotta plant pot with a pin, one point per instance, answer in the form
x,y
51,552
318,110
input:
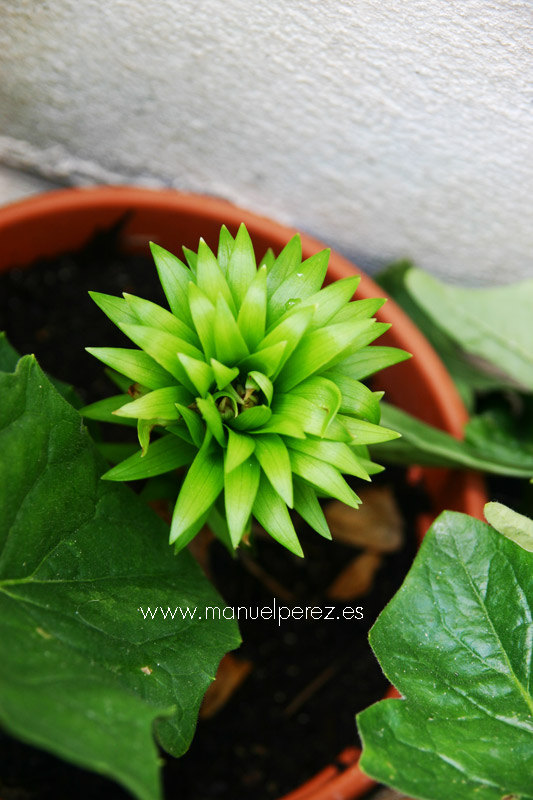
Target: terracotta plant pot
x,y
56,222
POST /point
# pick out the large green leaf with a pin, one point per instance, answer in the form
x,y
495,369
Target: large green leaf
x,y
456,642
423,444
83,673
495,324
468,375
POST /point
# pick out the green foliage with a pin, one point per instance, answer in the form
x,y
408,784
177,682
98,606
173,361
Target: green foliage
x,y
83,674
248,363
456,642
484,338
509,523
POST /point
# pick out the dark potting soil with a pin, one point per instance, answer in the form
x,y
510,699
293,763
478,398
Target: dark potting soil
x,y
295,711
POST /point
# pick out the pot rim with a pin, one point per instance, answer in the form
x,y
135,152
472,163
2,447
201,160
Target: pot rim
x,y
343,780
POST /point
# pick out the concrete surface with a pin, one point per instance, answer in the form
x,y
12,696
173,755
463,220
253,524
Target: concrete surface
x,y
387,129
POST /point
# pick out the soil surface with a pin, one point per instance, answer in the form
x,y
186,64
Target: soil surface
x,y
295,710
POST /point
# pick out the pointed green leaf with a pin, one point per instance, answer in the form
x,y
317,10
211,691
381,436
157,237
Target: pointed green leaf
x,y
136,364
323,477
154,316
159,404
164,348
322,393
273,457
282,425
291,331
194,424
203,314
357,399
115,308
103,410
223,375
229,344
201,487
212,418
268,259
370,359
308,507
164,455
363,432
217,523
210,279
317,350
338,454
288,261
192,259
258,380
252,418
240,448
271,512
225,249
242,267
175,278
266,361
365,331
304,413
299,285
240,490
144,430
200,374
252,314
360,309
327,302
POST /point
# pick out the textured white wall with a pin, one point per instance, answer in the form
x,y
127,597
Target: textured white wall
x,y
386,128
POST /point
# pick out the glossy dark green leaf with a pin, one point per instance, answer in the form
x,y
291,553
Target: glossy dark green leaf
x,y
8,355
78,558
456,642
164,455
